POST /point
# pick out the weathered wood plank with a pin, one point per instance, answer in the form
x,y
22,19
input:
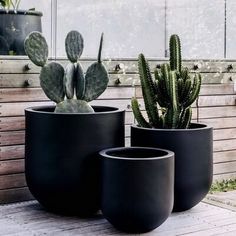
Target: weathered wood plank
x,y
219,100
12,167
220,177
12,181
225,156
32,80
17,109
224,134
11,195
16,65
206,89
12,138
224,145
37,94
217,112
112,93
12,152
12,123
224,168
219,123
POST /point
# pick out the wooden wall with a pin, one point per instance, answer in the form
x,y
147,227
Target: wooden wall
x,y
19,88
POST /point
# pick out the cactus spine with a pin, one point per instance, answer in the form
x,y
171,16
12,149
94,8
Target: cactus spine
x,y
63,85
173,91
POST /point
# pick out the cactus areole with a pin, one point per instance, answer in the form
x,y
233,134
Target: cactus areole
x,y
69,88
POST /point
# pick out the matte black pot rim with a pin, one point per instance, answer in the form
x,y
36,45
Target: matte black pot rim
x,y
168,154
201,127
36,109
21,12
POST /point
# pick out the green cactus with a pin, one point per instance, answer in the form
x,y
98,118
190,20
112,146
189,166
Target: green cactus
x,y
173,91
74,46
61,85
36,48
96,78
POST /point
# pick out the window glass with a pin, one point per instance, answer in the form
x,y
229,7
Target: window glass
x,y
129,27
45,7
200,24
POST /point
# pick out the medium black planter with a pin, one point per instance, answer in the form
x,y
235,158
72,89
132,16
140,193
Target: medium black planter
x,y
14,27
61,156
193,150
137,187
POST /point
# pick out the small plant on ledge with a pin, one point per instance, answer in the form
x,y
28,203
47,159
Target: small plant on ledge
x,y
8,4
58,83
15,25
173,90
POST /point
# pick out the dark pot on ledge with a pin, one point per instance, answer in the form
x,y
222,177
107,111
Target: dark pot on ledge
x,y
193,150
14,27
61,156
137,187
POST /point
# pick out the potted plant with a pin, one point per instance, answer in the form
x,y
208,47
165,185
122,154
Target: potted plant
x,y
62,142
137,187
168,101
15,25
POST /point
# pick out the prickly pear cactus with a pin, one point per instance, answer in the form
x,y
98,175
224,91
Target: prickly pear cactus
x,y
96,78
69,80
61,85
51,81
79,81
74,46
73,106
36,48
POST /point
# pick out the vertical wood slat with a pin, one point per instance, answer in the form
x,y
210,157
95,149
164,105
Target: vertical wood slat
x,y
217,108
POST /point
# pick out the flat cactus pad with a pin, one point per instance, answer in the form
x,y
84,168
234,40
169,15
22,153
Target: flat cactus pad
x,y
69,80
36,48
74,45
96,81
73,106
79,81
51,81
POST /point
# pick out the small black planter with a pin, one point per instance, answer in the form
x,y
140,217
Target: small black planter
x,y
61,156
193,150
137,187
14,27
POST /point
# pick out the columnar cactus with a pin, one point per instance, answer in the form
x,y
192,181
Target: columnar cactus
x,y
69,87
172,92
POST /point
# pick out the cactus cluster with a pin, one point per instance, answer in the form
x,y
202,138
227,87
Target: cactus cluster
x,y
69,87
169,96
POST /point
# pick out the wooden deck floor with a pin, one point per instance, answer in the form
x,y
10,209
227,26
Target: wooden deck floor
x,y
29,219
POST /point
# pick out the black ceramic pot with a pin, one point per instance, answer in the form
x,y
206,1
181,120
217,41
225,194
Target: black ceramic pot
x,y
61,156
193,150
14,27
137,187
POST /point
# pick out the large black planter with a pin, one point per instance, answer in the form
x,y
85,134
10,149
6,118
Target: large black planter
x,y
14,27
193,150
137,187
61,156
